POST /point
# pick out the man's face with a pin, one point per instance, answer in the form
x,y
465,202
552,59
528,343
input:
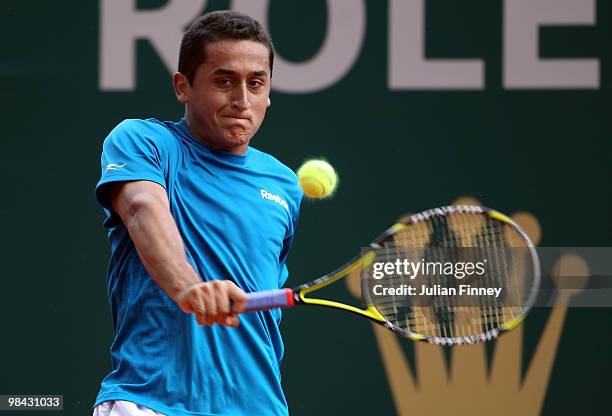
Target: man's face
x,y
227,100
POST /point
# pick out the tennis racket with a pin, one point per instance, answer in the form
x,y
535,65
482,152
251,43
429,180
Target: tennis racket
x,y
480,302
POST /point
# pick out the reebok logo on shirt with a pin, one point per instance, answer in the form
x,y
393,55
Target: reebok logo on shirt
x,y
267,195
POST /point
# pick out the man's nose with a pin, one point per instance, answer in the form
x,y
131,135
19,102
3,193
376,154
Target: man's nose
x,y
240,98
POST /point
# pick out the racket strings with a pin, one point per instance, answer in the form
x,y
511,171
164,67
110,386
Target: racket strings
x,y
443,239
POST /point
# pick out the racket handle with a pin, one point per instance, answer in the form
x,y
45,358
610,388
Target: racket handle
x,y
269,299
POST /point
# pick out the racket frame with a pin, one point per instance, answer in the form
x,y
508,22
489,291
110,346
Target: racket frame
x,y
299,294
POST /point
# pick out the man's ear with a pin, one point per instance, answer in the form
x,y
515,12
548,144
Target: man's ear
x,y
181,87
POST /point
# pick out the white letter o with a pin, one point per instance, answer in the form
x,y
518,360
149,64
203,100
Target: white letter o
x,y
340,49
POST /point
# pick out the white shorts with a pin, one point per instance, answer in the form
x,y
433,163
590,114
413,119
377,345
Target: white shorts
x,y
123,408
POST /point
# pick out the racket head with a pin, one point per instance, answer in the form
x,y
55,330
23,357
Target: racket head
x,y
453,233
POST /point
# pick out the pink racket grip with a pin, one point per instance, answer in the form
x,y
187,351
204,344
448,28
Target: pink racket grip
x,y
269,299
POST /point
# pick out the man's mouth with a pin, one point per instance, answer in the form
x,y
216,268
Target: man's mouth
x,y
238,118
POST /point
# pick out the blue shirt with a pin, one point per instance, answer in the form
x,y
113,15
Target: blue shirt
x,y
237,216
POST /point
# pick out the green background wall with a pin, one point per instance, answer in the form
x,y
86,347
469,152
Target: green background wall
x,y
542,151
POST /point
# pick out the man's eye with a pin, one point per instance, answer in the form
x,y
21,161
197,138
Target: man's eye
x,y
256,83
223,82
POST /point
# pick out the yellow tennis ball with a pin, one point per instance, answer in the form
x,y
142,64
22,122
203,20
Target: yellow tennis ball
x,y
317,178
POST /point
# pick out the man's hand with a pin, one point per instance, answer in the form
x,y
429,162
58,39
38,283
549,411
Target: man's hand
x,y
215,302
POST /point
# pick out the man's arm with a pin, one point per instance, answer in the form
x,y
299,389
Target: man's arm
x,y
144,209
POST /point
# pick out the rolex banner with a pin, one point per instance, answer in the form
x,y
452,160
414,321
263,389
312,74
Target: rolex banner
x,y
416,103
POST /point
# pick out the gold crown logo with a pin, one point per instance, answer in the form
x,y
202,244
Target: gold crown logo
x,y
470,387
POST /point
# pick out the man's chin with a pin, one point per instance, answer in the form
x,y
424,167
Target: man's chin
x,y
238,136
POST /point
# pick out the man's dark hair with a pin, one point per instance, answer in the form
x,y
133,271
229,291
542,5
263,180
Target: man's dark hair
x,y
214,27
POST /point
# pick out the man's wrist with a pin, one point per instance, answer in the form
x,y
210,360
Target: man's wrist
x,y
182,292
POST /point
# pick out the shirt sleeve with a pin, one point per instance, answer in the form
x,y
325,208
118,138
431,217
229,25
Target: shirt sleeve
x,y
131,152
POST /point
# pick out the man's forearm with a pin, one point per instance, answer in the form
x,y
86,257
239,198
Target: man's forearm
x,y
144,208
157,240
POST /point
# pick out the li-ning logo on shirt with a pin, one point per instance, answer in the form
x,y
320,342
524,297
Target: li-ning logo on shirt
x,y
114,166
267,195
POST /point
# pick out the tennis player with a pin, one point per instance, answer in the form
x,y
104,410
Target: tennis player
x,y
196,218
